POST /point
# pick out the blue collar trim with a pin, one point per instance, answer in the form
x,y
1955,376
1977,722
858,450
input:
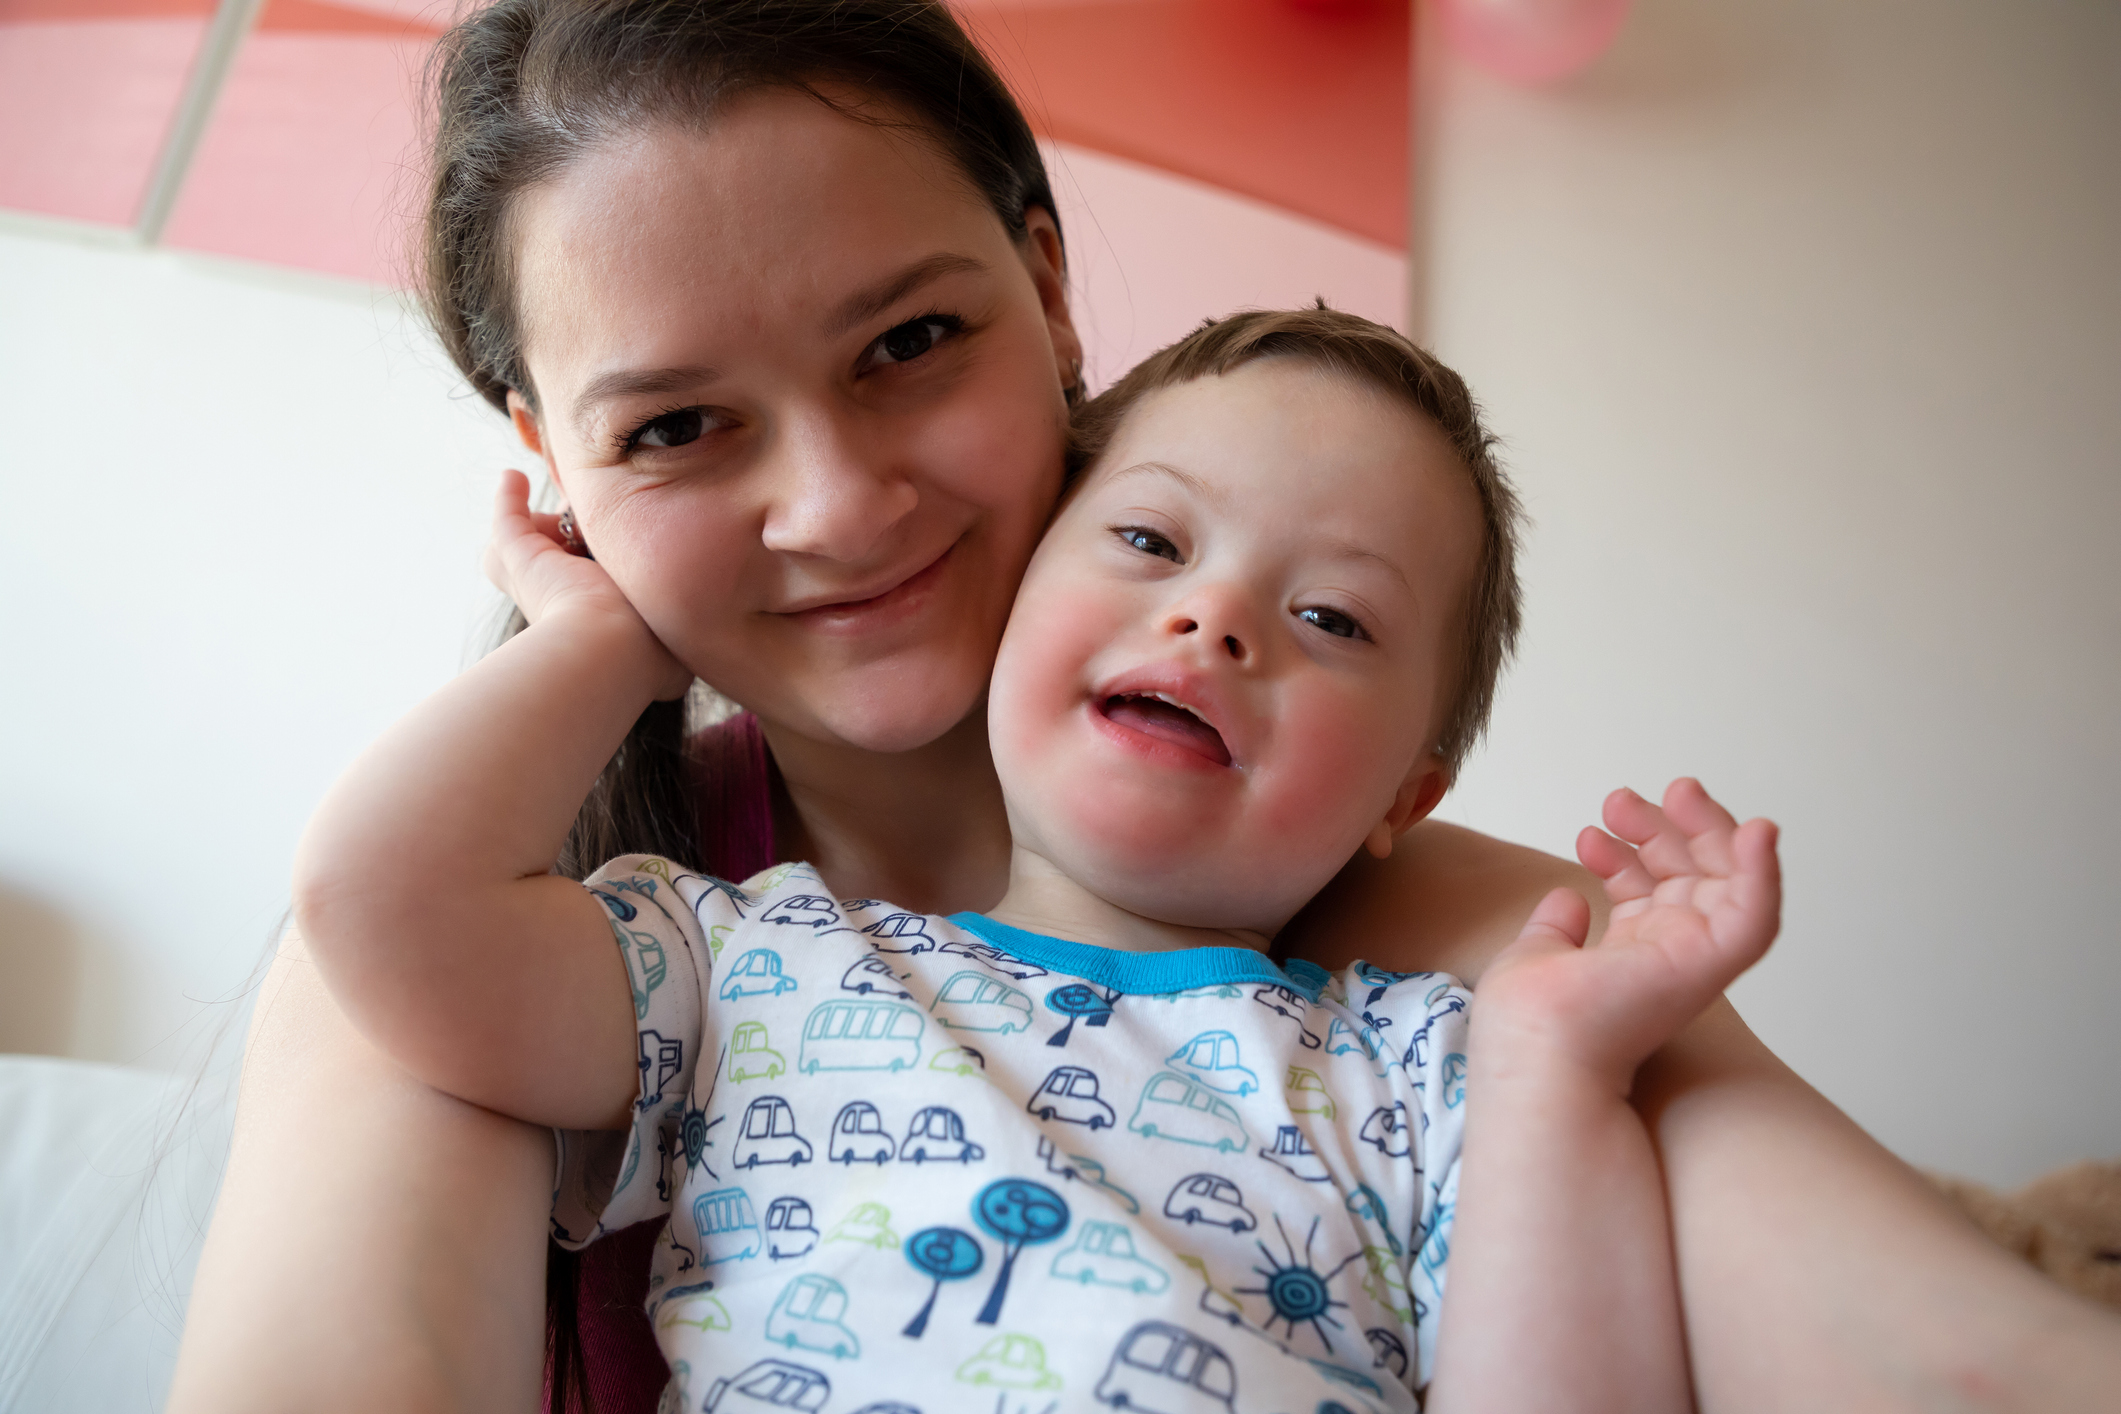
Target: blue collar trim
x,y
1143,974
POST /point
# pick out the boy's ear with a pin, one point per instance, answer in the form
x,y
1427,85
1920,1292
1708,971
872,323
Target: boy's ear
x,y
1419,793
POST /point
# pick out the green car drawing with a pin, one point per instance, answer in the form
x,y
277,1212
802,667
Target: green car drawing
x,y
750,1056
1010,1362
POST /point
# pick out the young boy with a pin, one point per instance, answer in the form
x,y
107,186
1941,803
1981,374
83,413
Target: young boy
x,y
1094,1146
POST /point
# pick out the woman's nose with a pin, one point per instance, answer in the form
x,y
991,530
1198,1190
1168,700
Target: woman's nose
x,y
1218,616
832,496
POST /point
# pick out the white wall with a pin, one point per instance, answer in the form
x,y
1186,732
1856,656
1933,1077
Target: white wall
x,y
1803,321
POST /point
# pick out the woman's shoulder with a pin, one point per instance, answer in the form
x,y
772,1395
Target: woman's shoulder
x,y
1447,900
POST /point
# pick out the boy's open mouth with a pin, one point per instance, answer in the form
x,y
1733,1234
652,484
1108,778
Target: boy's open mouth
x,y
1155,715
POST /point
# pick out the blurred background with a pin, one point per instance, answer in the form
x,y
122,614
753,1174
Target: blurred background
x,y
1801,321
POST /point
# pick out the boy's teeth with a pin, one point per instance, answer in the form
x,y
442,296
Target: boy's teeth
x,y
1158,715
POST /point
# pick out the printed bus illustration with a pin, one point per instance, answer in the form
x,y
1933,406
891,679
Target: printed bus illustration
x,y
728,1227
756,974
858,1136
1161,1368
1070,1095
1210,1198
807,1315
790,1228
980,1003
1211,1058
861,1033
1104,1253
769,1384
767,1136
1173,1107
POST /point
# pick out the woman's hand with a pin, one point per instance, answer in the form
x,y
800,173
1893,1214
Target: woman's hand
x,y
1696,900
527,560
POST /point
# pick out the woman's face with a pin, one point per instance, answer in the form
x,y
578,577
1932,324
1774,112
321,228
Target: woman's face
x,y
802,392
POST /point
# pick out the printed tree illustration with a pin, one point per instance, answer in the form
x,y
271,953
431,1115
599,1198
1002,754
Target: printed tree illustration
x,y
1016,1213
946,1254
1078,1003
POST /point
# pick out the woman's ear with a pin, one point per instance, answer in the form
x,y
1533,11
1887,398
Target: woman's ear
x,y
1047,262
1418,794
533,436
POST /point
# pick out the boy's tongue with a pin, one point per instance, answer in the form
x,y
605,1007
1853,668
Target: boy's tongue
x,y
1165,722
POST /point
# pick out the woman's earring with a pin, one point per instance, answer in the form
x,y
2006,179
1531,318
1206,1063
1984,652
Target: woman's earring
x,y
572,538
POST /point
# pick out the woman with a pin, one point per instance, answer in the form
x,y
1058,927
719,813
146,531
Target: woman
x,y
776,290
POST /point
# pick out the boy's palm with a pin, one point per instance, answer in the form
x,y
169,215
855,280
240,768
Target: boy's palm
x,y
1696,900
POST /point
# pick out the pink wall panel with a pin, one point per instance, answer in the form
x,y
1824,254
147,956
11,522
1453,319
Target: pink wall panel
x,y
85,104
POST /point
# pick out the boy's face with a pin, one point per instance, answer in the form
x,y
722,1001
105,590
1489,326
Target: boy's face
x,y
1227,662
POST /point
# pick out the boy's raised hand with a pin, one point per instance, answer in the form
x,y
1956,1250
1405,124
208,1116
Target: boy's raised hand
x,y
1696,898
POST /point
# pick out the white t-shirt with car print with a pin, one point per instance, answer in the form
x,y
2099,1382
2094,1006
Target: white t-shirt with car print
x,y
916,1162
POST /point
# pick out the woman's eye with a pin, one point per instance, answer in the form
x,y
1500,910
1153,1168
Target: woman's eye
x,y
1333,621
1149,543
907,342
672,429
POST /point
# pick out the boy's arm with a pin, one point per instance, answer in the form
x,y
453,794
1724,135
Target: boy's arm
x,y
1561,1288
422,885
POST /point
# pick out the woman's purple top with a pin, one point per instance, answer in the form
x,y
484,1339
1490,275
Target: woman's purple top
x,y
623,1369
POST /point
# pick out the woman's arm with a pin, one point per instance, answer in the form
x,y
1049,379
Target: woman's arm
x,y
1816,1270
376,1245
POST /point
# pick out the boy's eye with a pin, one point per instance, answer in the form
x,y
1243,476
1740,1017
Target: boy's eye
x,y
1333,621
1149,543
903,343
670,429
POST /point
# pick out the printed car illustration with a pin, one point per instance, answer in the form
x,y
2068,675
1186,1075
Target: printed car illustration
x,y
1342,1375
739,901
937,1133
1292,1004
1010,1362
861,1033
803,911
692,1306
1454,1080
1389,1351
661,1059
1386,1283
888,1406
1293,1152
1212,1199
962,1060
807,1315
1161,1367
789,1229
1343,1039
900,932
1387,1129
1367,1203
728,1227
1104,1253
756,974
1222,1305
867,1223
1307,1094
1416,1054
767,1136
873,974
979,1003
1081,1168
645,965
1070,1095
995,958
858,1136
1173,1107
1211,1058
750,1057
769,1384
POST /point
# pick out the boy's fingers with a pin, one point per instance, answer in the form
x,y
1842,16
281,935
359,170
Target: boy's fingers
x,y
1615,864
1708,825
1658,842
1562,916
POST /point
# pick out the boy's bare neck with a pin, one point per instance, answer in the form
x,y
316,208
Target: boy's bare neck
x,y
1041,899
923,828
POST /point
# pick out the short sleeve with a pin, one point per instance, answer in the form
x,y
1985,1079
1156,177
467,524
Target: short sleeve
x,y
1430,1011
663,920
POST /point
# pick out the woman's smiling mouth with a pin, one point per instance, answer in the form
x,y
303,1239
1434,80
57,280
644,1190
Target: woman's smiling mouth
x,y
860,615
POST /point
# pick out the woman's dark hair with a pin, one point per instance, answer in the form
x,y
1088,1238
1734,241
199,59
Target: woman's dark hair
x,y
522,88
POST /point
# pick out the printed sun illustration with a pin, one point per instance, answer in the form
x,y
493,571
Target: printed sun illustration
x,y
1299,1293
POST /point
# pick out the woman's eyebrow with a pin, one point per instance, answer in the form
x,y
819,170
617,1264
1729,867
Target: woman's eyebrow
x,y
866,304
634,383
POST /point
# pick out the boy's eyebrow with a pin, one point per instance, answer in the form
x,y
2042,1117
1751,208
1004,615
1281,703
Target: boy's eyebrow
x,y
1184,478
866,304
1349,550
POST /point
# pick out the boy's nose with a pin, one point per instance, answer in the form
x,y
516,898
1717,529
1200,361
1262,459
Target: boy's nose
x,y
1215,620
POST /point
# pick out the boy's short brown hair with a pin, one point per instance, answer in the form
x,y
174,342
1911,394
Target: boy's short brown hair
x,y
1386,359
